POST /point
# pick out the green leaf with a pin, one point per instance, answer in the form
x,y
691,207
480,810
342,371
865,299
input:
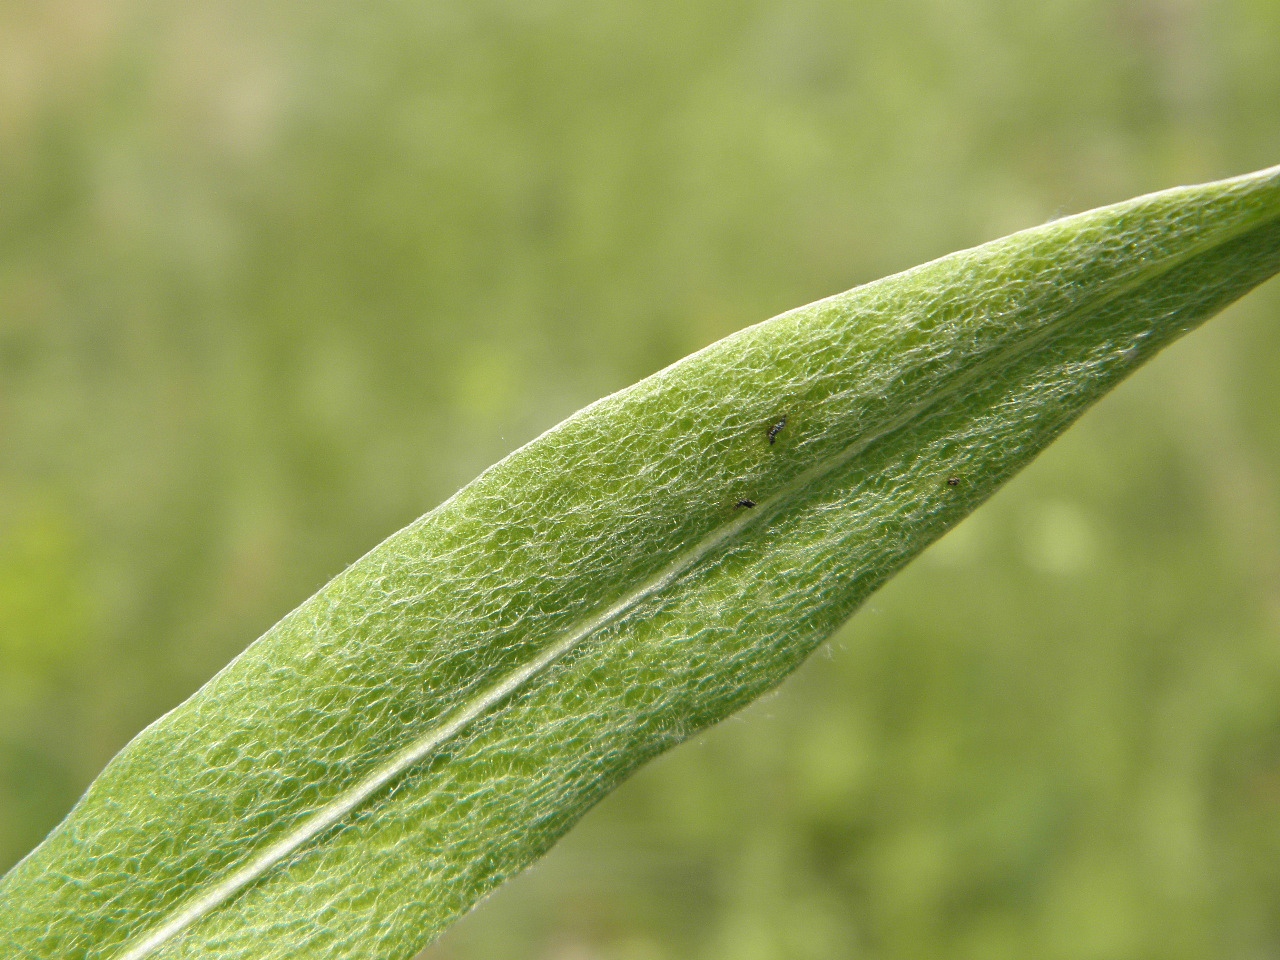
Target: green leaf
x,y
436,716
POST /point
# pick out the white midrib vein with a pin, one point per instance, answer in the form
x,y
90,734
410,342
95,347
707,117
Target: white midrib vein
x,y
350,799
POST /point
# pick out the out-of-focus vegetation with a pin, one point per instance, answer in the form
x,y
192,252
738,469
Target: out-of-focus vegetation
x,y
276,278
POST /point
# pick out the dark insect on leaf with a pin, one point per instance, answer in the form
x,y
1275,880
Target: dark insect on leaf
x,y
776,429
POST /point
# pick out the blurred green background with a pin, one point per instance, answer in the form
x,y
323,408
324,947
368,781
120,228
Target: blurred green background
x,y
277,277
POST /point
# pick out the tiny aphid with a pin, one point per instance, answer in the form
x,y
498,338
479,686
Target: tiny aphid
x,y
953,481
776,429
744,502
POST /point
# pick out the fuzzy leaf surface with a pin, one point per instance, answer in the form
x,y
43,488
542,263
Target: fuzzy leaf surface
x,y
442,711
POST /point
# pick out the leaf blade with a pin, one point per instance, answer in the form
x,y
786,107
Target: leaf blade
x,y
335,790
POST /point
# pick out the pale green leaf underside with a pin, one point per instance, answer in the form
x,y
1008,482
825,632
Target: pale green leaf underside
x,y
437,715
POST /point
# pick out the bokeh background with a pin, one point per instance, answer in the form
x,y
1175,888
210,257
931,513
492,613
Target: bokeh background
x,y
277,277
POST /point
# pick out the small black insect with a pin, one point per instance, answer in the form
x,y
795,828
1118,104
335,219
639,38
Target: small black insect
x,y
953,481
744,502
776,429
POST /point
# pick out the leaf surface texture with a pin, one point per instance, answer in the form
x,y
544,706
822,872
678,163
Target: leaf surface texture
x,y
442,711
